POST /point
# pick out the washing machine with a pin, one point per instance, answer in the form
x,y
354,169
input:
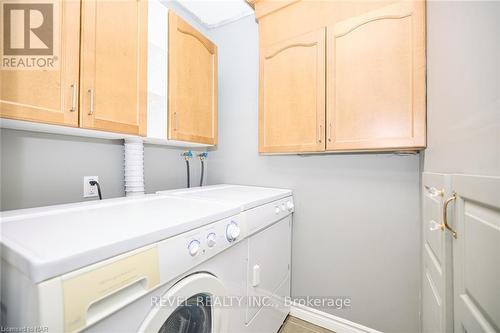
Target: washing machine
x,y
267,215
155,264
203,299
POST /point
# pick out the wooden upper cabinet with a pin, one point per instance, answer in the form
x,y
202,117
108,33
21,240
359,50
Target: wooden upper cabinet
x,y
292,94
48,95
374,96
376,79
114,66
192,84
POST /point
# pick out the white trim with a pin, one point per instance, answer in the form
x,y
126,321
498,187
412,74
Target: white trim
x,y
22,125
218,24
228,21
328,321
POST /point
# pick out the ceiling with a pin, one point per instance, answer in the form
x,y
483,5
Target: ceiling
x,y
214,13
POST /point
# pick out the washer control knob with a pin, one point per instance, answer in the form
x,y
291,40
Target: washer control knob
x,y
232,231
290,206
277,210
194,247
211,239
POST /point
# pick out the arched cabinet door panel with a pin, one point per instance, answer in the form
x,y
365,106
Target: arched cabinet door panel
x,y
192,82
292,94
47,94
376,80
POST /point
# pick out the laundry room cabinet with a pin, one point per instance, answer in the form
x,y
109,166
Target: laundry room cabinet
x,y
292,89
192,95
113,70
376,79
99,81
182,80
131,67
341,76
50,95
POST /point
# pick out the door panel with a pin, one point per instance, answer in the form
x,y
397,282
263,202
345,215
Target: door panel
x,y
437,281
48,96
432,303
192,110
114,66
376,79
476,253
272,271
292,94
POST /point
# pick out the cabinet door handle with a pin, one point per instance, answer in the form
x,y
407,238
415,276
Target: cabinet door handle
x,y
329,132
91,107
319,133
74,87
175,121
445,214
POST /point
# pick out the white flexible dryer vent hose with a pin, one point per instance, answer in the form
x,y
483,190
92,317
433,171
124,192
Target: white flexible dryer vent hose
x,y
134,166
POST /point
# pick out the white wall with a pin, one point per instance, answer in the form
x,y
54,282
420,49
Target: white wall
x,y
356,227
463,87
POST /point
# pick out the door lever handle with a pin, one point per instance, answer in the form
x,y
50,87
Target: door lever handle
x,y
445,215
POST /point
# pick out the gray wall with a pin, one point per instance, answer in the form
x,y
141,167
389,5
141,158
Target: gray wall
x,y
43,169
39,169
463,87
356,230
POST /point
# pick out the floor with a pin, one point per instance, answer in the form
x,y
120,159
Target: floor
x,y
295,325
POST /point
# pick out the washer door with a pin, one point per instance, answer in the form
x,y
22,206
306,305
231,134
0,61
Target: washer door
x,y
188,307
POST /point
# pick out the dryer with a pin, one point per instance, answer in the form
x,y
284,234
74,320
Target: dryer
x,y
267,213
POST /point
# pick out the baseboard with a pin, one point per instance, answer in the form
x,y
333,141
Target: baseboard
x,y
328,321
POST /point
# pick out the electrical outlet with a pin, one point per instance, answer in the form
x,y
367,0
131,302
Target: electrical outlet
x,y
89,190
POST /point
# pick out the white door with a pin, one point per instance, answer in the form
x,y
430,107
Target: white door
x,y
192,305
269,255
476,253
437,264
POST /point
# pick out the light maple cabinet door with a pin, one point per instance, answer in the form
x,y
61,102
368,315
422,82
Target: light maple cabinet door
x,y
49,95
192,84
292,95
376,80
113,93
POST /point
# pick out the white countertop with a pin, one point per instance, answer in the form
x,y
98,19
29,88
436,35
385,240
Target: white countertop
x,y
49,241
246,197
